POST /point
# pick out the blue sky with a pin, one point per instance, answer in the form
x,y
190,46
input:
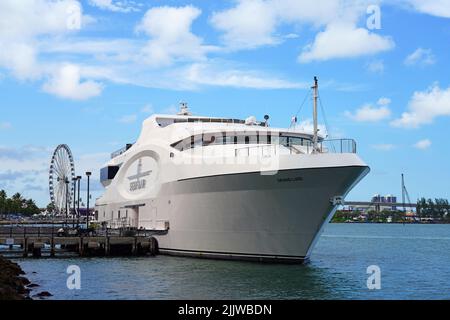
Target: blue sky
x,y
87,73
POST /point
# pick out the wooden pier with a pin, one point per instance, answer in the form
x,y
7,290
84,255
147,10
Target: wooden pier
x,y
44,242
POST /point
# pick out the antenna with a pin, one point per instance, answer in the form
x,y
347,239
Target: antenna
x,y
266,118
315,137
184,110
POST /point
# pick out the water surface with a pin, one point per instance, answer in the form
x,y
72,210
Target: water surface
x,y
414,262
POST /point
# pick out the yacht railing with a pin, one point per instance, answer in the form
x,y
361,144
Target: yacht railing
x,y
325,146
338,146
263,150
121,150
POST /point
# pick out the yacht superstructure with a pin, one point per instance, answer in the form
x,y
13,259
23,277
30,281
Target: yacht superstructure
x,y
228,188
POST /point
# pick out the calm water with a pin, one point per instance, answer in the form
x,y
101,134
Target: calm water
x,y
414,262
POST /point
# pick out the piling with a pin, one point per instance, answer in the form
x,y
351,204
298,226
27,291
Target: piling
x,y
25,247
35,242
81,247
52,247
134,249
37,250
107,246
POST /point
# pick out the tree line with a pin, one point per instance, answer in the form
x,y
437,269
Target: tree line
x,y
427,209
16,204
436,209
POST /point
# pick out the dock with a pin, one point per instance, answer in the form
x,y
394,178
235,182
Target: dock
x,y
40,242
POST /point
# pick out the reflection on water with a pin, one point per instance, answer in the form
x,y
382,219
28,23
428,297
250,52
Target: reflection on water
x,y
414,262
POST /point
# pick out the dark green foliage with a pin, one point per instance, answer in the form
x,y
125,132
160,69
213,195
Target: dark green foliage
x,y
17,205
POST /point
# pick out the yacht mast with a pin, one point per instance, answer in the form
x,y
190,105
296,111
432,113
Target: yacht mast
x,y
316,130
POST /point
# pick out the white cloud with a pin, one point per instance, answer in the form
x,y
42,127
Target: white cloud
x,y
370,113
383,101
116,6
439,8
66,83
207,74
383,147
343,40
27,170
127,119
423,144
376,66
20,59
22,25
171,38
170,110
424,107
28,18
248,25
291,36
5,125
22,22
148,108
307,125
253,23
423,57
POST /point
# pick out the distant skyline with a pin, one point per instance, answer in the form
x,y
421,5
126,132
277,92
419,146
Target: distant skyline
x,y
87,73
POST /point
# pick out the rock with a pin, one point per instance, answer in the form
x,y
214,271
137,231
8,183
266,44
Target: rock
x,y
43,294
12,285
24,280
33,285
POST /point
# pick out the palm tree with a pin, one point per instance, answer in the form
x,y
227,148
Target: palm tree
x,y
17,202
3,198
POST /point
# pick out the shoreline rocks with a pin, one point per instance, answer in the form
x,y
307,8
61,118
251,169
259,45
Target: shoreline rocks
x,y
12,283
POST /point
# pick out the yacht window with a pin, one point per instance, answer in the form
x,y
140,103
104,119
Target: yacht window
x,y
212,138
222,138
108,173
284,141
294,141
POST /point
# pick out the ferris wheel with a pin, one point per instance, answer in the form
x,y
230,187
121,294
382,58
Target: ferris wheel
x,y
61,175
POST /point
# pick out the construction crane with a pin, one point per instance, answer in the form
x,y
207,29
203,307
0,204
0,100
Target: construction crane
x,y
405,194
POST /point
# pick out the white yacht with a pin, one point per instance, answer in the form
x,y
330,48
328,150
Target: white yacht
x,y
228,188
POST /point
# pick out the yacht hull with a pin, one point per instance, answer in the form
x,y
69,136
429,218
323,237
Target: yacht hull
x,y
249,216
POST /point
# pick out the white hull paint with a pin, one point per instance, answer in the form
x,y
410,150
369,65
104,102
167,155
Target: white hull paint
x,y
253,216
267,203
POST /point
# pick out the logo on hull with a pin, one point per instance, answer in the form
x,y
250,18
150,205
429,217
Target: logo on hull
x,y
137,181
